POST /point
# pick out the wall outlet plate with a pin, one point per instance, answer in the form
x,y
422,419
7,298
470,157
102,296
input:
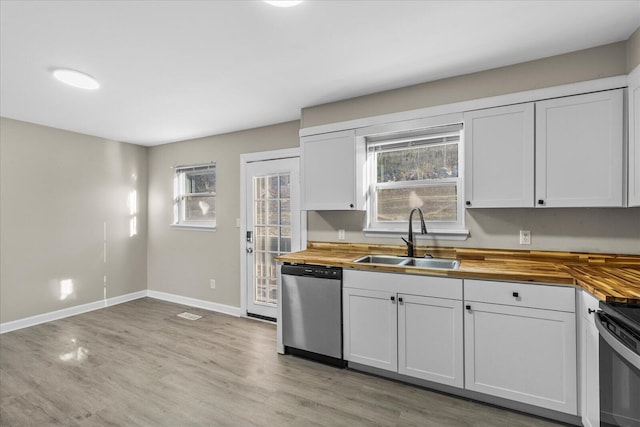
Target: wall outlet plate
x,y
525,237
213,283
341,234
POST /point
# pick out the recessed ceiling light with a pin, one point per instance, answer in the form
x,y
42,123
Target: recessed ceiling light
x,y
76,79
283,3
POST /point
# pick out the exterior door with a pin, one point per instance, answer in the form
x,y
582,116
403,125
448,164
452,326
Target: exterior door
x,y
273,228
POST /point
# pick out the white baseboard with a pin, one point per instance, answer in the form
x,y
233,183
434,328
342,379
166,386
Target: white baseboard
x,y
83,308
198,303
67,312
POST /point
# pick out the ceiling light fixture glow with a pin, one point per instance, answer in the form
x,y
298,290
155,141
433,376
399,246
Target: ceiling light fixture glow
x,y
283,3
76,79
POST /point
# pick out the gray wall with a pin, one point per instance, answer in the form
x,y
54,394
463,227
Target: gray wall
x,y
593,230
57,190
183,261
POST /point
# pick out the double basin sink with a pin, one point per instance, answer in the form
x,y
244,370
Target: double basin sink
x,y
401,261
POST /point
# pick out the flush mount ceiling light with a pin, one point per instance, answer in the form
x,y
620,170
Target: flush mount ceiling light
x,y
283,3
76,79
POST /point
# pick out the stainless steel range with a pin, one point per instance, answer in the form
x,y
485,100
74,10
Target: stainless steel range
x,y
619,328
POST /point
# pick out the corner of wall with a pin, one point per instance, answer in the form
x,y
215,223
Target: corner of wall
x,y
633,50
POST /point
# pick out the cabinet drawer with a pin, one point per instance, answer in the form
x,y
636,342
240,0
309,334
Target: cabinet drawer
x,y
410,284
547,297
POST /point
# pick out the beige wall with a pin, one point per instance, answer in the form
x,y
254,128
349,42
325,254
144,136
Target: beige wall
x,y
595,230
181,261
57,191
604,61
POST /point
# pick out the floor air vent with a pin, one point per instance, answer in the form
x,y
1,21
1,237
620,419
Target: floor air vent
x,y
189,316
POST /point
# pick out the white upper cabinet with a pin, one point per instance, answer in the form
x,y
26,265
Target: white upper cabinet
x,y
499,157
332,172
580,151
634,137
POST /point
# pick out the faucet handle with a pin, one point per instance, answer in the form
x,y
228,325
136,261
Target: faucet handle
x,y
408,242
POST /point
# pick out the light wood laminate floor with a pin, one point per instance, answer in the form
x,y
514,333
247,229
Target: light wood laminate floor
x,y
137,364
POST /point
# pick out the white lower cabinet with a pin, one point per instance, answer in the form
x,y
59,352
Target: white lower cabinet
x,y
516,349
589,362
430,339
370,328
397,322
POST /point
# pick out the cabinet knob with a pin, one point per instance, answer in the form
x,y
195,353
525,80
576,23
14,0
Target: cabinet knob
x,y
400,300
515,294
540,202
468,203
393,299
468,307
351,205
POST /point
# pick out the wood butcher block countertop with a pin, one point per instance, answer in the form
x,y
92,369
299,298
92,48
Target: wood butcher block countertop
x,y
608,277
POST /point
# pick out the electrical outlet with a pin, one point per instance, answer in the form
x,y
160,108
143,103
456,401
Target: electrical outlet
x,y
525,237
341,234
213,283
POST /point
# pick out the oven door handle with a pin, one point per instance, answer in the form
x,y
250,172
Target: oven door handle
x,y
616,345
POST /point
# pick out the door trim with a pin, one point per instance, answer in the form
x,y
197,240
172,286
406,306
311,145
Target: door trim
x,y
244,160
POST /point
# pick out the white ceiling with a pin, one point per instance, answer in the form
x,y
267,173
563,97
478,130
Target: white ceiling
x,y
176,70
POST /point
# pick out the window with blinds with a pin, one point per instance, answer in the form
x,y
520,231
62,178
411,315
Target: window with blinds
x,y
195,196
416,169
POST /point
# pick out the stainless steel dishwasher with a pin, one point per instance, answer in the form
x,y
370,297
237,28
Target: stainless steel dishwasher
x,y
312,312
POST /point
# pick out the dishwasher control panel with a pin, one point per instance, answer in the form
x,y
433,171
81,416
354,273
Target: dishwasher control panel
x,y
313,271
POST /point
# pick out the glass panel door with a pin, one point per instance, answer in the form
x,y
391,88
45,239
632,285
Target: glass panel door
x,y
273,219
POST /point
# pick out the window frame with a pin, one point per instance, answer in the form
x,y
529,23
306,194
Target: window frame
x,y
181,194
451,230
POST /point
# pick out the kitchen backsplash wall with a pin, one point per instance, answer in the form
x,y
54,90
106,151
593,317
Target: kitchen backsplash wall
x,y
600,230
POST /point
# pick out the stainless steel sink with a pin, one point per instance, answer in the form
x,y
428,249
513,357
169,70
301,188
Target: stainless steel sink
x,y
382,259
439,263
400,261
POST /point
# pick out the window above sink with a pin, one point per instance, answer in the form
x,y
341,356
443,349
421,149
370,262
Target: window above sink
x,y
417,163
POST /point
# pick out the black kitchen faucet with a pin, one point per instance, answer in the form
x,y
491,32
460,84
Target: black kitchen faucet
x,y
410,238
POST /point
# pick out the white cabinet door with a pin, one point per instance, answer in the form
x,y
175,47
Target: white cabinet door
x,y
370,328
590,363
523,354
499,154
634,137
332,172
430,339
579,151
